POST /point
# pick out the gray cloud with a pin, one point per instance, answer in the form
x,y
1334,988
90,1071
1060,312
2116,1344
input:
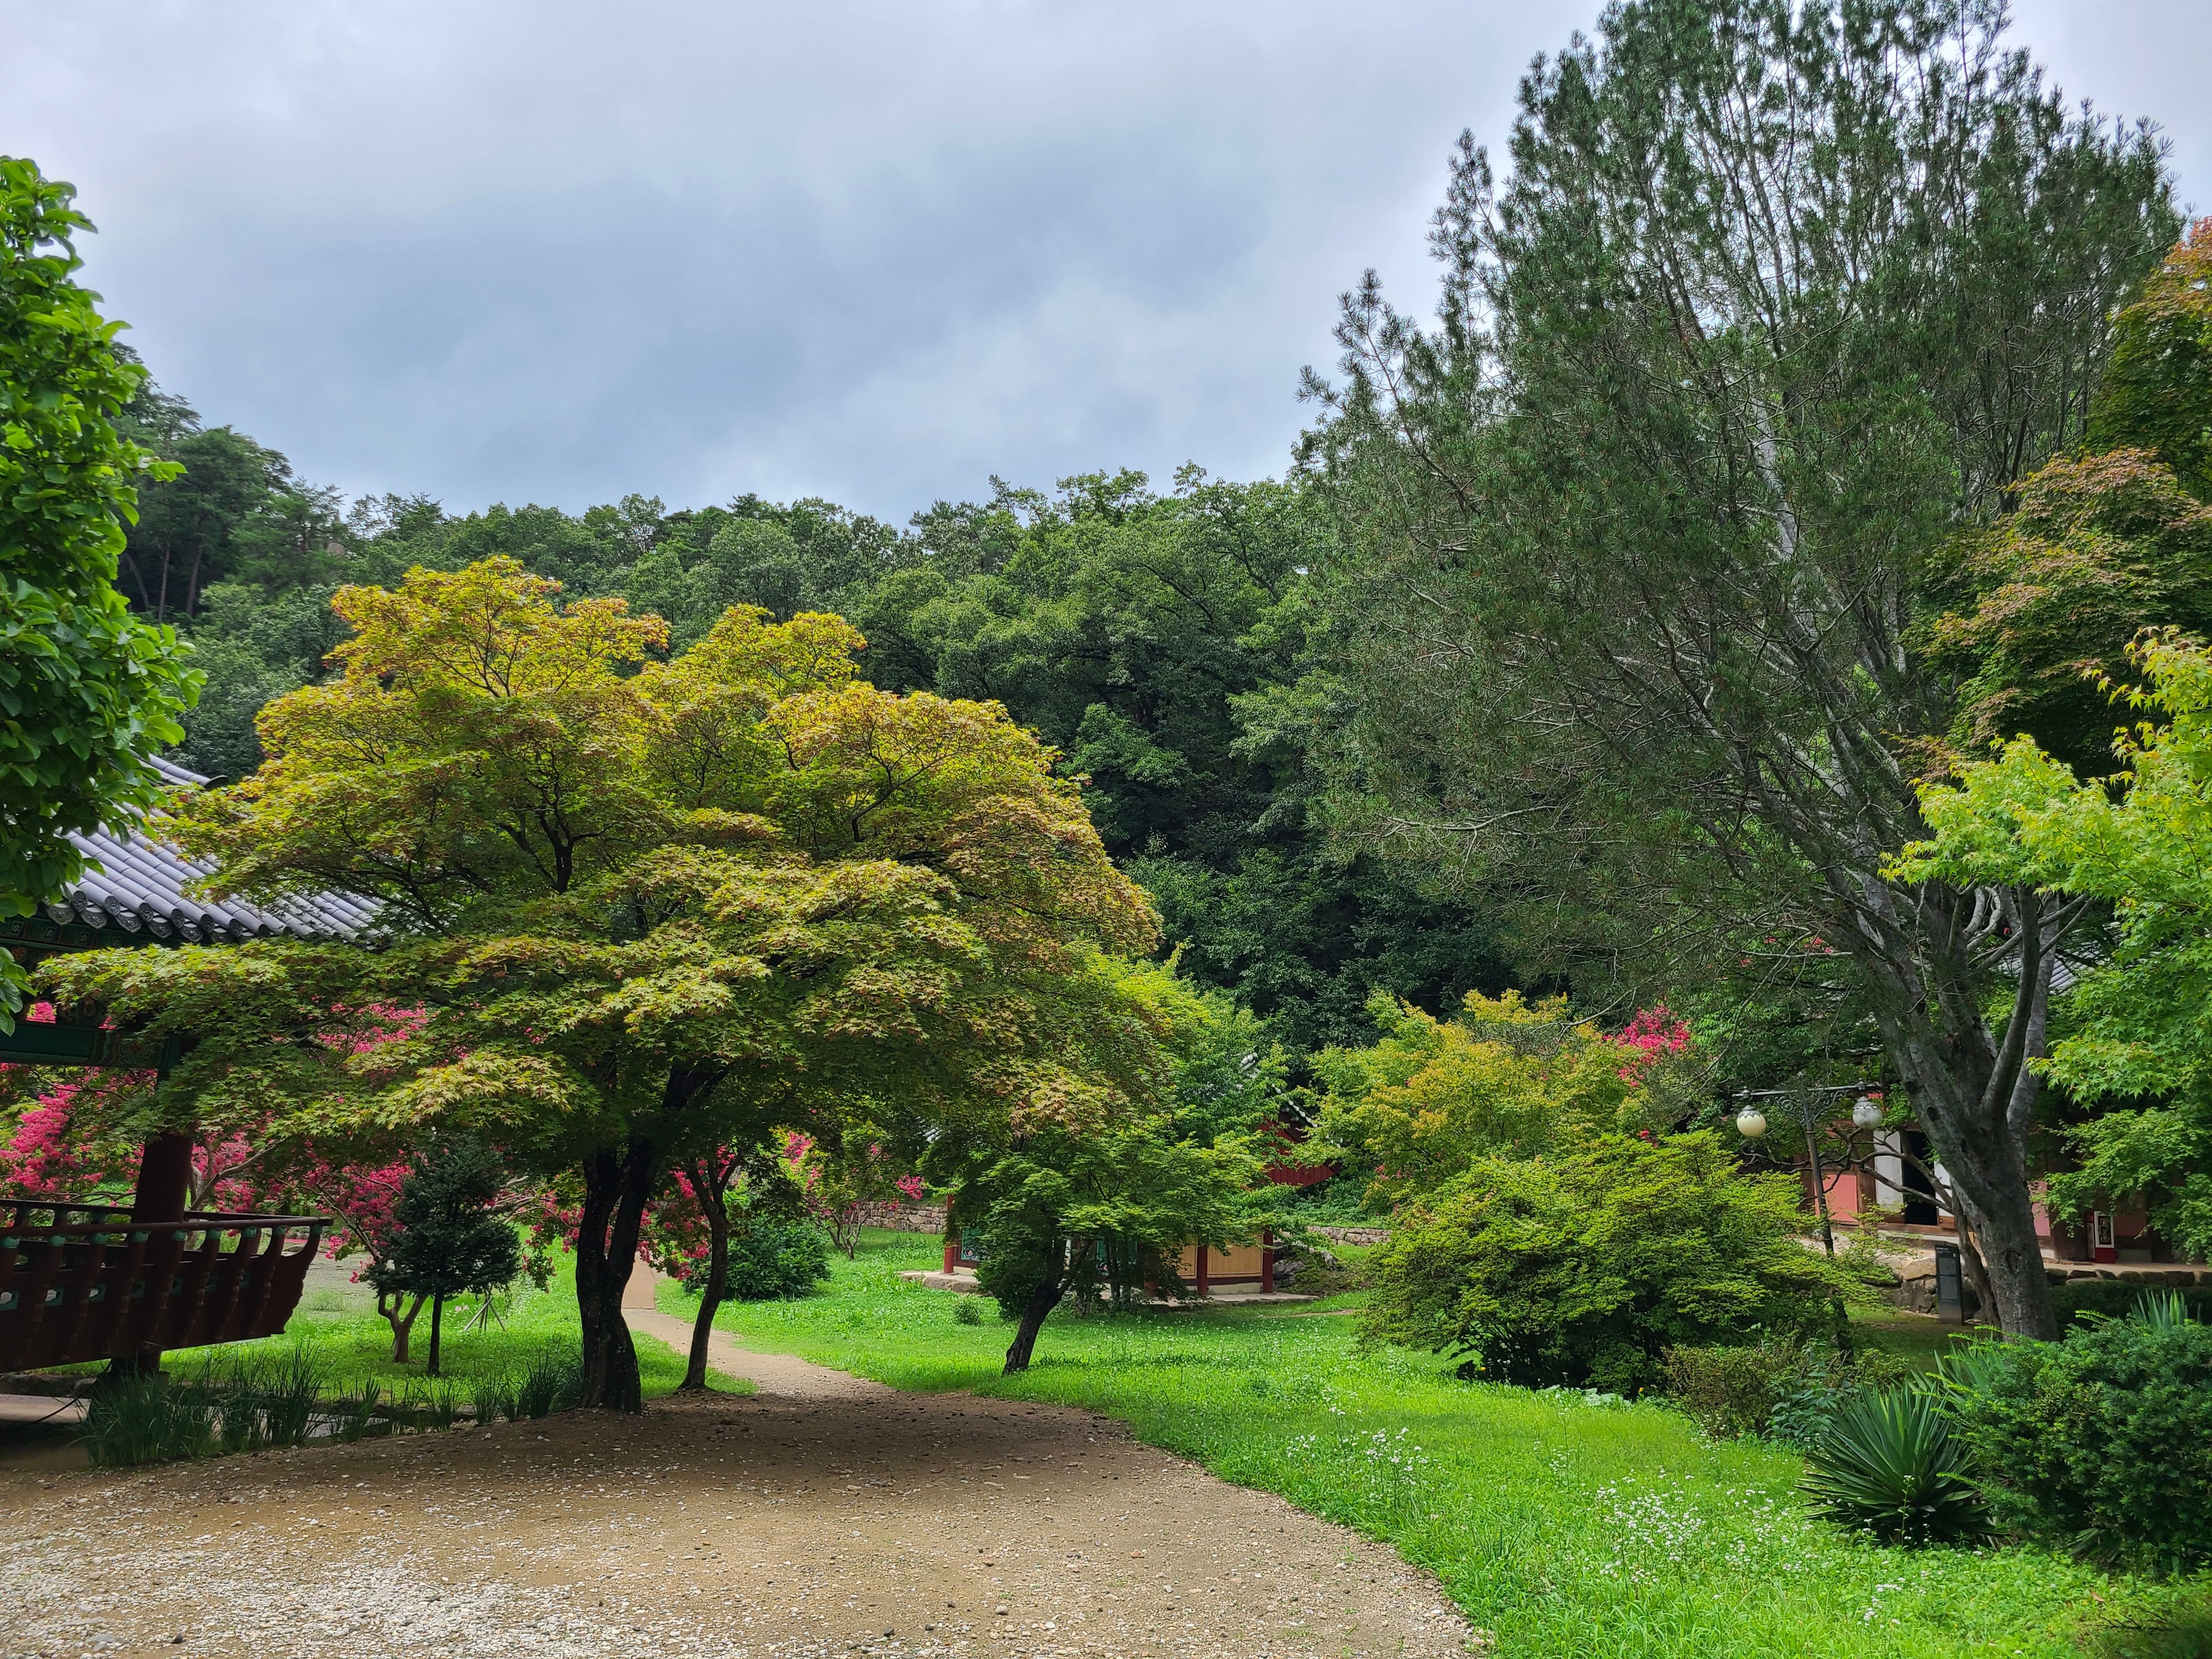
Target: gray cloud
x,y
556,252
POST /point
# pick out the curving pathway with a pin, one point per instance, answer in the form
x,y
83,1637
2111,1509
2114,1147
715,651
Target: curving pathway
x,y
821,1516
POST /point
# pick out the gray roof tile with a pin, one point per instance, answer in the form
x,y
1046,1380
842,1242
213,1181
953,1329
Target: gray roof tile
x,y
136,883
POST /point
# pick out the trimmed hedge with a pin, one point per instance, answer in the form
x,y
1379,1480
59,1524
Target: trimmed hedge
x,y
2115,1298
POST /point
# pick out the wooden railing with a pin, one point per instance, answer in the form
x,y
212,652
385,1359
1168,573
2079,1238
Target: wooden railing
x,y
82,1282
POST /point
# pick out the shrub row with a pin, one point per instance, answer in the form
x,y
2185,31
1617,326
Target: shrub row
x,y
2084,1301
2100,1444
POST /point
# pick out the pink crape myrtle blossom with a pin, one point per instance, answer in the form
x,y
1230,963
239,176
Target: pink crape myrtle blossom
x,y
362,1200
49,1156
1651,1038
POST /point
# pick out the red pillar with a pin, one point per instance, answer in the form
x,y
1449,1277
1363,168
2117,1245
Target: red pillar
x,y
1203,1286
952,1252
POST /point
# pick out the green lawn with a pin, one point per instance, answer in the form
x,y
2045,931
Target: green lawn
x,y
1914,1338
1569,1529
341,1329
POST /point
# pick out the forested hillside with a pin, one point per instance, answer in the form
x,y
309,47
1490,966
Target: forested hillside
x,y
1121,624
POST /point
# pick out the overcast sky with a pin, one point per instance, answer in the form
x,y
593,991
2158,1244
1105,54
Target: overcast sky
x,y
540,250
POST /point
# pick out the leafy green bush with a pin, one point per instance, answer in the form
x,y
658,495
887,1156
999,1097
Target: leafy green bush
x,y
1782,1387
965,1312
2101,1442
1803,1412
1585,1268
770,1260
1729,1390
1889,1464
1342,1200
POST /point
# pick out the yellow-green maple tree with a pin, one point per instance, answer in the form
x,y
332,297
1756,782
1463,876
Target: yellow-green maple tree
x,y
644,905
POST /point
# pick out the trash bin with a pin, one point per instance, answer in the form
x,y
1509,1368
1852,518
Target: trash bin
x,y
1950,1286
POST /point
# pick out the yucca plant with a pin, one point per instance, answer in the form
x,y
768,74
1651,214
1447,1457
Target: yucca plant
x,y
2162,1310
1889,1465
1971,1368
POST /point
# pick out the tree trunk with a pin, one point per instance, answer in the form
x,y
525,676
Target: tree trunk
x,y
617,1185
1973,1092
437,1330
718,1286
1042,1300
1984,1153
389,1303
163,1193
1973,1268
138,575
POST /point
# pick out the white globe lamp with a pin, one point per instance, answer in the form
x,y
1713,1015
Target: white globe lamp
x,y
1867,1113
1751,1123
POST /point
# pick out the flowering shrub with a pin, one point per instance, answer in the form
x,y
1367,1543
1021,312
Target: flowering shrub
x,y
772,1252
838,1185
52,1154
66,1145
1505,1077
1652,1037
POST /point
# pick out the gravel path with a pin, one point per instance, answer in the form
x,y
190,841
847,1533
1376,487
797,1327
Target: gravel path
x,y
824,1516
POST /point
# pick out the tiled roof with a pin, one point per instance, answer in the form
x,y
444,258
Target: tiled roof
x,y
135,883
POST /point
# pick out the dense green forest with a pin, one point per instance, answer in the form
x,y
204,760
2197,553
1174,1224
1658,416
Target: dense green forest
x,y
1125,624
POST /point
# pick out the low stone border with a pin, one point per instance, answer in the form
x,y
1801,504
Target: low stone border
x,y
1356,1235
2176,1274
905,1218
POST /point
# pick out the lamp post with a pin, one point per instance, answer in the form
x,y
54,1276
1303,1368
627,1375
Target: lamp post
x,y
1751,1124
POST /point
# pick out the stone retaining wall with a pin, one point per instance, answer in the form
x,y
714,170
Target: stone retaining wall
x,y
930,1219
1355,1235
1914,1290
905,1218
2180,1273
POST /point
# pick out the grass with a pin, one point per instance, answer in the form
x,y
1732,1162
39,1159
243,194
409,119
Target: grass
x,y
1570,1529
1915,1339
344,1334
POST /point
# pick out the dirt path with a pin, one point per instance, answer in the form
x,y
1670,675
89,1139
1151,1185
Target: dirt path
x,y
824,1516
777,1374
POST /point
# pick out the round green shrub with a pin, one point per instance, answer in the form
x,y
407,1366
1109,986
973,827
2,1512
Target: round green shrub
x,y
772,1259
2101,1443
1780,1388
1583,1269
